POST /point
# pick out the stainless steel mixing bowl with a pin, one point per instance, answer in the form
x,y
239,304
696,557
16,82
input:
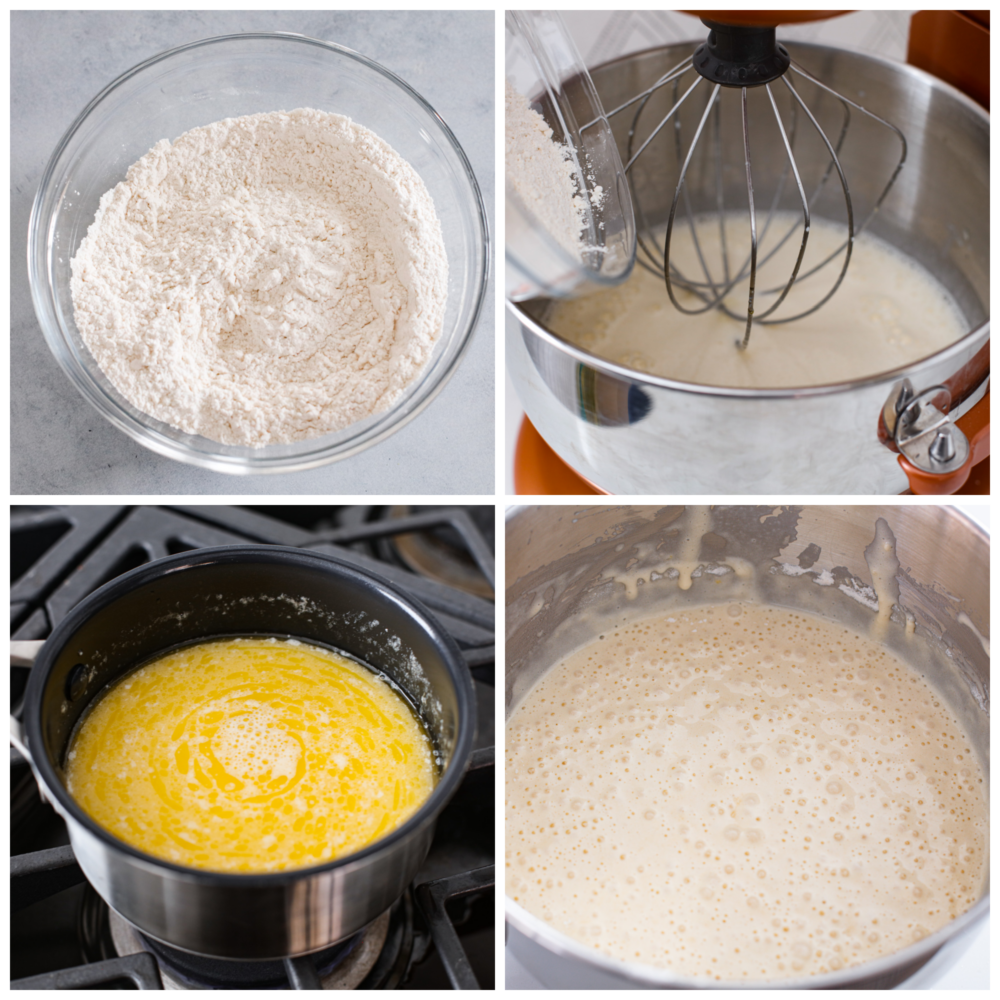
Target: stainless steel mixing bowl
x,y
561,562
629,432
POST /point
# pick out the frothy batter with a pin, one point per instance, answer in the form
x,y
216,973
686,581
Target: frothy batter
x,y
741,792
888,311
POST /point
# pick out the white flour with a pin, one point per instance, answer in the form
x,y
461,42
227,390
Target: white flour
x,y
542,173
264,279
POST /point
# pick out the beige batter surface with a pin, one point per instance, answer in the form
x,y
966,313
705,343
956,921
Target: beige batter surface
x,y
741,792
888,311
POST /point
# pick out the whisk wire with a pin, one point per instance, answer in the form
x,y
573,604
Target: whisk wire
x,y
805,215
656,131
712,292
680,279
790,167
847,199
679,70
649,249
720,209
871,114
848,104
708,290
753,223
827,173
776,200
673,212
790,145
720,205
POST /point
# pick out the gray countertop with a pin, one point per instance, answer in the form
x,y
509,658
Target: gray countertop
x,y
59,61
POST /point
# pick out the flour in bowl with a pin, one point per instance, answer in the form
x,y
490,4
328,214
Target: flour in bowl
x,y
264,279
542,173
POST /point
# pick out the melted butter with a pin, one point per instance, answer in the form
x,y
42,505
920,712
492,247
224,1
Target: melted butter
x,y
888,311
742,792
250,755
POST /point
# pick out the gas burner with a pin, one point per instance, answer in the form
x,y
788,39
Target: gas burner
x,y
344,966
441,552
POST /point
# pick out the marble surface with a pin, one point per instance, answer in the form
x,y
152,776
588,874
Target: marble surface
x,y
59,61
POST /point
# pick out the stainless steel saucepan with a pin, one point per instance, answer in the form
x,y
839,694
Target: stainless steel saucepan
x,y
571,570
246,590
627,432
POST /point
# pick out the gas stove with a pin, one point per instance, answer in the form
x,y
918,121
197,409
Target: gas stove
x,y
439,934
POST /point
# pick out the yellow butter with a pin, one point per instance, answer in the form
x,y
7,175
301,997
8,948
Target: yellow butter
x,y
250,755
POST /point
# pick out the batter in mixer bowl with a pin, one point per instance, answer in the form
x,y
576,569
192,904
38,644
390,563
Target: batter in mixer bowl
x,y
735,751
742,792
887,312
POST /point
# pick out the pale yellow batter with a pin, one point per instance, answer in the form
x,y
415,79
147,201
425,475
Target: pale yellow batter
x,y
250,755
888,311
741,792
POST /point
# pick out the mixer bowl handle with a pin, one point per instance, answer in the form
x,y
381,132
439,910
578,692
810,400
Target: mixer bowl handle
x,y
975,425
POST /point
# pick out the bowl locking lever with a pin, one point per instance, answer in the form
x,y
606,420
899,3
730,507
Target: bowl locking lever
x,y
935,452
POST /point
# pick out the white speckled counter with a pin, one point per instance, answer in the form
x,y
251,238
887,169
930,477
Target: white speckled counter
x,y
59,61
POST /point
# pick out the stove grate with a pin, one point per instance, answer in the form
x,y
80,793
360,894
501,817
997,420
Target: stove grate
x,y
432,898
102,543
141,970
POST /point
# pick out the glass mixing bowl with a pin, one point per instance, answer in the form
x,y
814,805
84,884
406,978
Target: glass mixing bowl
x,y
226,77
542,63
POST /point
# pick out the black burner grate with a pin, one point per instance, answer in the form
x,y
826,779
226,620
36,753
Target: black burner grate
x,y
59,555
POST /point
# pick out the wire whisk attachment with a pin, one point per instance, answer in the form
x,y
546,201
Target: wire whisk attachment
x,y
795,172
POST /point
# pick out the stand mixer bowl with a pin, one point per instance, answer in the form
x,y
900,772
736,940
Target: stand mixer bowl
x,y
564,586
607,421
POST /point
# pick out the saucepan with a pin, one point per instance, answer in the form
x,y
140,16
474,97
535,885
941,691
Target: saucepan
x,y
245,590
629,432
571,570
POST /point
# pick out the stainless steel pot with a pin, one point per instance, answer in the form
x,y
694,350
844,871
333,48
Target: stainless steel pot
x,y
232,591
570,570
627,432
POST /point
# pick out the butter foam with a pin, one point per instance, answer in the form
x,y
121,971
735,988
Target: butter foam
x,y
250,755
